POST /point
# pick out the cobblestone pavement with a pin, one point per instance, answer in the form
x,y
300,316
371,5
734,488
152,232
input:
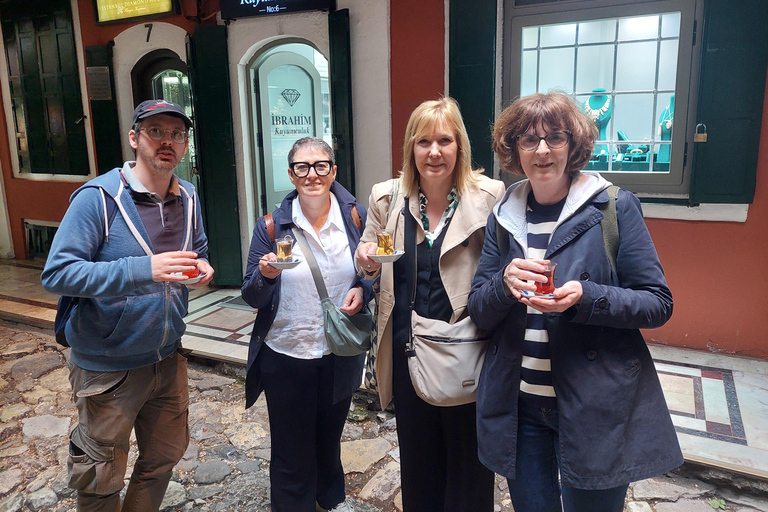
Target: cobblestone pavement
x,y
226,467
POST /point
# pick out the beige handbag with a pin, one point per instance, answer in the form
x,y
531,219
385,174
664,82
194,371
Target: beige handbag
x,y
444,360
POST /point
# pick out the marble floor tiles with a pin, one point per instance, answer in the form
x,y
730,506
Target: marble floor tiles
x,y
718,403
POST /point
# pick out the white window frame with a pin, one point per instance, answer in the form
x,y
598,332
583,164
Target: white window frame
x,y
676,183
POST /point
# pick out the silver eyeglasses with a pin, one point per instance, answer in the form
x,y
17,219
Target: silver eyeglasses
x,y
177,136
555,140
301,169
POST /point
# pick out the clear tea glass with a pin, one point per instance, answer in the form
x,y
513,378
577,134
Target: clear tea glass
x,y
549,286
284,249
384,243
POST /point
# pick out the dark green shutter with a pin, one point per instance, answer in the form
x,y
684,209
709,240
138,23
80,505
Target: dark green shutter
x,y
471,73
209,76
731,93
45,87
341,97
106,134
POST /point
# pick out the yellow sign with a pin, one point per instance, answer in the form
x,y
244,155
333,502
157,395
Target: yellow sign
x,y
110,10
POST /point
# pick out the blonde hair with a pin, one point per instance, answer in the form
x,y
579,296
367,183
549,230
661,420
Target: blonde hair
x,y
555,109
424,119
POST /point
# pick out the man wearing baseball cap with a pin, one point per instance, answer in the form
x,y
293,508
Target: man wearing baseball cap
x,y
130,244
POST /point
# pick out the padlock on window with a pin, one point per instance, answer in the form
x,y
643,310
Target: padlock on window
x,y
700,135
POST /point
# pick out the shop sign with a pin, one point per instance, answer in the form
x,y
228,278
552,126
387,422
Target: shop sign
x,y
248,8
116,10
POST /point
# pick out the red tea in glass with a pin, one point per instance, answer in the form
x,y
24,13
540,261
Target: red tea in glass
x,y
191,273
549,286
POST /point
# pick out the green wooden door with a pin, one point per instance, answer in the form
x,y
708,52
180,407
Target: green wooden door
x,y
209,75
341,97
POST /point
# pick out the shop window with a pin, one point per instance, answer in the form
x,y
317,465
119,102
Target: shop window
x,y
625,65
652,73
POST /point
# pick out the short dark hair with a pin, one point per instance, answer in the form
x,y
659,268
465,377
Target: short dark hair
x,y
311,143
559,112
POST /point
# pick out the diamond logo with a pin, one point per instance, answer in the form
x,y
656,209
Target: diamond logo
x,y
291,96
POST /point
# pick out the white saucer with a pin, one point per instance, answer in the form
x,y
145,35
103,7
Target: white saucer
x,y
284,265
528,293
193,280
386,258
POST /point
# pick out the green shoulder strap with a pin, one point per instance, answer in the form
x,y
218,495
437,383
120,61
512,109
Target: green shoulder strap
x,y
610,226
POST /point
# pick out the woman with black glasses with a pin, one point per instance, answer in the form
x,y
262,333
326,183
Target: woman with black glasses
x,y
308,388
569,406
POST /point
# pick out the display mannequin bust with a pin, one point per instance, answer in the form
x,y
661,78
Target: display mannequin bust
x,y
598,108
665,129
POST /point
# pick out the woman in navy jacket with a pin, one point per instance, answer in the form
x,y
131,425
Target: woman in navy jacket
x,y
568,387
308,388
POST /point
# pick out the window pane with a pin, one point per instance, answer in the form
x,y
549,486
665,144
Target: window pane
x,y
594,68
668,64
642,27
670,24
602,31
633,115
530,37
556,69
636,66
558,35
529,72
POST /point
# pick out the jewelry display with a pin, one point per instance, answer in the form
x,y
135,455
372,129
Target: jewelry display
x,y
595,114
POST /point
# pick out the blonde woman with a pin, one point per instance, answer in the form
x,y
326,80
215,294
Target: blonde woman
x,y
448,204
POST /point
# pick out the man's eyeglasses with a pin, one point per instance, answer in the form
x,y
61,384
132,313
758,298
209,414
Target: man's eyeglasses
x,y
301,169
555,140
177,136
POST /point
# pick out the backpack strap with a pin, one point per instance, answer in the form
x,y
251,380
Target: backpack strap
x,y
356,218
270,226
610,226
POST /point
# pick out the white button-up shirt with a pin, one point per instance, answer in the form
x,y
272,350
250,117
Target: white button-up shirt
x,y
298,327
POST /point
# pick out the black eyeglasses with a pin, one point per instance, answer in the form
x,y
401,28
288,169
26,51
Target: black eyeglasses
x,y
301,169
177,136
555,140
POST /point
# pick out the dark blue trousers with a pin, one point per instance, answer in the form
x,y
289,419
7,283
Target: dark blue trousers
x,y
536,487
306,428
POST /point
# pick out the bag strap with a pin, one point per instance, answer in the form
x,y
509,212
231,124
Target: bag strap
x,y
393,197
312,262
356,218
270,226
610,226
409,233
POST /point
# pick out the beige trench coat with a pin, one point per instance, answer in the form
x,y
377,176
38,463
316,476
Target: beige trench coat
x,y
459,256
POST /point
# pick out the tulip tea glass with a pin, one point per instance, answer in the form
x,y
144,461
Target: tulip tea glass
x,y
384,243
284,249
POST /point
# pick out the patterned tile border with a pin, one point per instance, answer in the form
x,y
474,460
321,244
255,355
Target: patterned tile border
x,y
732,433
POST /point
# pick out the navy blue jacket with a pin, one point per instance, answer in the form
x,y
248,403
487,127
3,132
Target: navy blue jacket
x,y
615,427
264,294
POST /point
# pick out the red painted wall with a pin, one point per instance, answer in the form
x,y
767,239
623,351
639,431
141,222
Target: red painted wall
x,y
417,62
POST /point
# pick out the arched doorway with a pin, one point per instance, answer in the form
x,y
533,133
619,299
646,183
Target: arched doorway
x,y
289,100
161,74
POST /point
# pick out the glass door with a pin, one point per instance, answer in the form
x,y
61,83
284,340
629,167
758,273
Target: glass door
x,y
288,105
